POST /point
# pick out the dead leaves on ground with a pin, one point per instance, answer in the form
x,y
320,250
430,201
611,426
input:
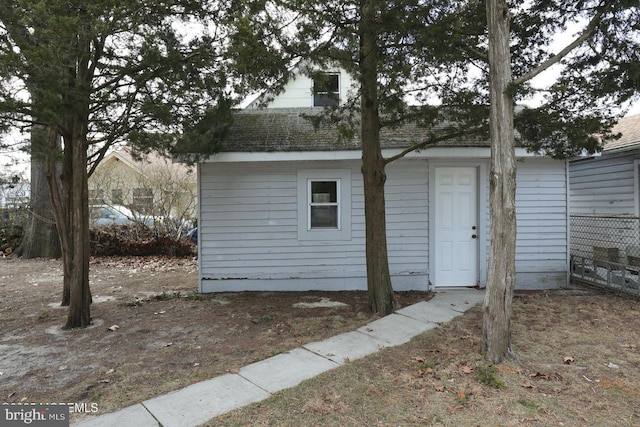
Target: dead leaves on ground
x,y
372,390
466,369
156,264
457,377
437,375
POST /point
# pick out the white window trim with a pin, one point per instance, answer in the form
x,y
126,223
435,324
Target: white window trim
x,y
343,180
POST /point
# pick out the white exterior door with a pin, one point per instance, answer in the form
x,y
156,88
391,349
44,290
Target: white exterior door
x,y
456,226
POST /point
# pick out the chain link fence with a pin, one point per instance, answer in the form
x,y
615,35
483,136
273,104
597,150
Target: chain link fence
x,y
605,251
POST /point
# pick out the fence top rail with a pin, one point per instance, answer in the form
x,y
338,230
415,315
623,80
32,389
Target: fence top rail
x,y
605,216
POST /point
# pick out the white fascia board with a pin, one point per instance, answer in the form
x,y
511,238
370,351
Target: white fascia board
x,y
431,153
119,157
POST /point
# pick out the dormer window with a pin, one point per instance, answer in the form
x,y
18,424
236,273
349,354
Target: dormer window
x,y
326,90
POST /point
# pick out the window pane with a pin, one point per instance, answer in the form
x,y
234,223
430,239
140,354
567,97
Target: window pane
x,y
324,192
326,90
323,100
143,200
116,197
327,83
324,217
96,197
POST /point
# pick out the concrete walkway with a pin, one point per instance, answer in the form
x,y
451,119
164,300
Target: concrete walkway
x,y
200,402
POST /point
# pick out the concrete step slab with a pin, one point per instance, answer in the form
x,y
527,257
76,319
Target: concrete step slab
x,y
286,369
197,403
395,329
459,300
346,347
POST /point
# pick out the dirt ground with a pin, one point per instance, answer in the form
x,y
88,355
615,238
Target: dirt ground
x,y
152,332
577,364
577,352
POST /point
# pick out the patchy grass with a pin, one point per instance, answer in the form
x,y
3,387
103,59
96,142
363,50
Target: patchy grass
x,y
151,332
577,364
487,376
577,355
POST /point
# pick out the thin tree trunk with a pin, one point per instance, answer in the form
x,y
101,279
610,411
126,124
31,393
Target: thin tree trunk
x,y
54,176
496,331
70,204
381,297
77,258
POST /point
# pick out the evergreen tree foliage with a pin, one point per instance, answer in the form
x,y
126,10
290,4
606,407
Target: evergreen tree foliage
x,y
432,67
100,73
572,113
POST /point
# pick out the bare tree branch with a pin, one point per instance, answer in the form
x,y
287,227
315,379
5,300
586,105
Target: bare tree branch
x,y
586,34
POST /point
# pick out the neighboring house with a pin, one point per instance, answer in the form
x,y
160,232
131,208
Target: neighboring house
x,y
609,183
153,185
605,205
282,208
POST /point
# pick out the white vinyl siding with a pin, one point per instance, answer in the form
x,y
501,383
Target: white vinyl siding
x,y
249,237
542,215
298,92
249,229
604,185
406,196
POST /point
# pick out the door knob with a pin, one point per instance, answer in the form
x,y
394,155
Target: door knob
x,y
473,236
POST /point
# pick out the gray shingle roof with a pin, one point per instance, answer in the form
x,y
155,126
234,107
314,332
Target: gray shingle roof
x,y
629,127
287,130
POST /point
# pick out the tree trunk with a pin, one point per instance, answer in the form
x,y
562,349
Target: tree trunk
x,y
381,297
76,259
496,331
70,195
40,235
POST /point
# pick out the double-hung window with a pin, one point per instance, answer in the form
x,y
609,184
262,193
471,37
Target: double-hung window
x,y
117,197
324,204
143,200
326,90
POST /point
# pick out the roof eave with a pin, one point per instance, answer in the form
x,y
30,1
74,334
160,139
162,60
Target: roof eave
x,y
289,156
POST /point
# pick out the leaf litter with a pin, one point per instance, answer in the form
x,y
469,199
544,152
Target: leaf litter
x,y
154,334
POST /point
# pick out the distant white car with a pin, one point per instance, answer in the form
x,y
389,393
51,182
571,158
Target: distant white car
x,y
100,215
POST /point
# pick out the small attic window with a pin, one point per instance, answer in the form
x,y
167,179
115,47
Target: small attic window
x,y
326,90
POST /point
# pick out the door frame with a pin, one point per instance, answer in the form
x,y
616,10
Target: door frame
x,y
483,216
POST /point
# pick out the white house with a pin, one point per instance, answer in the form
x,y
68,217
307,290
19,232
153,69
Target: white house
x,y
152,185
609,183
282,207
605,204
